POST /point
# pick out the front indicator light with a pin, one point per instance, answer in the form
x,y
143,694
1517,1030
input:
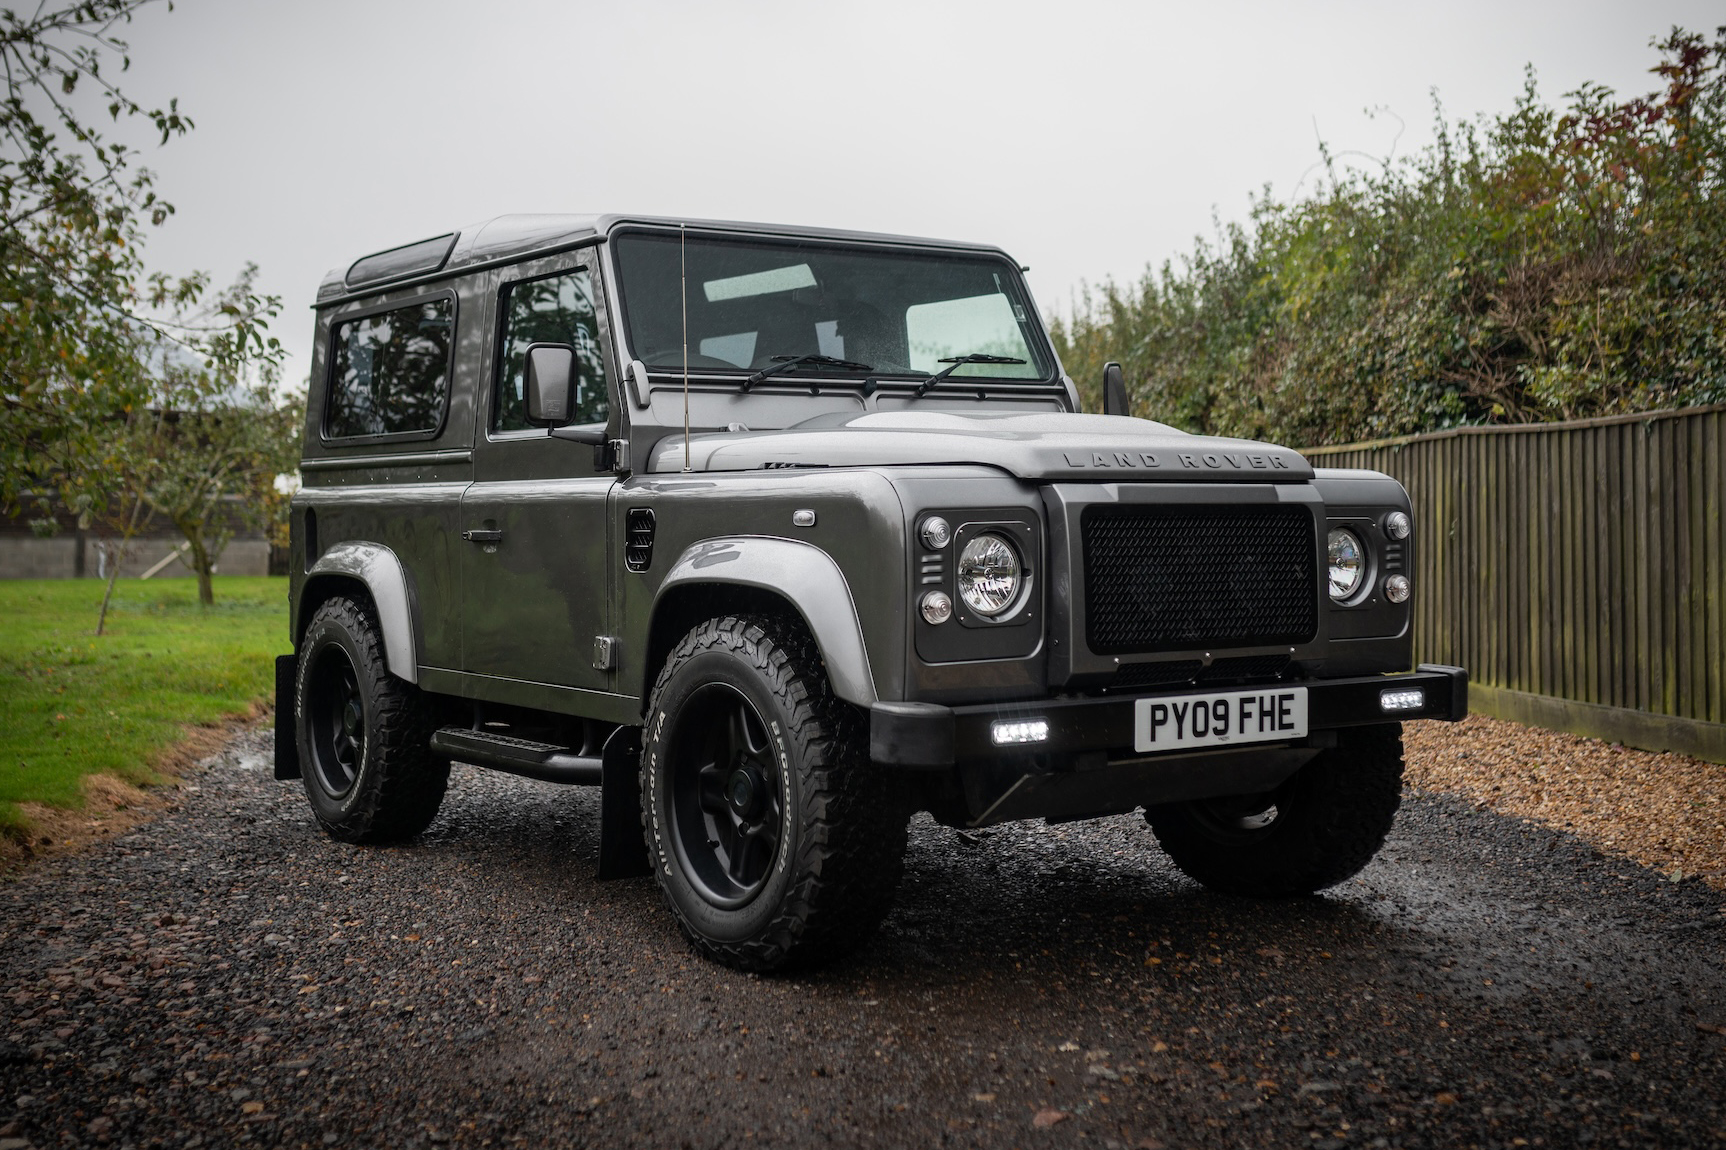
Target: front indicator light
x,y
1402,699
937,607
1017,732
1396,588
1397,526
936,533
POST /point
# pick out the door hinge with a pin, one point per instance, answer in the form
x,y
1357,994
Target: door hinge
x,y
604,653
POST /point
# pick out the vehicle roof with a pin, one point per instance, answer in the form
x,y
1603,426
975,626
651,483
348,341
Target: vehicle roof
x,y
511,237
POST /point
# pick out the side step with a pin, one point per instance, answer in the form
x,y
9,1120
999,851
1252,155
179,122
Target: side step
x,y
544,761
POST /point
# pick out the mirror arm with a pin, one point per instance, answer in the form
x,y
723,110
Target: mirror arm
x,y
590,435
1115,401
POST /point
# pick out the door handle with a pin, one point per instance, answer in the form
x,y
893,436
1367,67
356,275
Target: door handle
x,y
482,535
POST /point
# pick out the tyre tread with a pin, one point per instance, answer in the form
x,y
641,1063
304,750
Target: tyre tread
x,y
409,785
851,852
1350,794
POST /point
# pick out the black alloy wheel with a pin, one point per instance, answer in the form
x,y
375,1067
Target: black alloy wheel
x,y
727,805
774,840
364,735
336,715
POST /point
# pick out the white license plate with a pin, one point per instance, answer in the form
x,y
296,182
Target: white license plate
x,y
1181,721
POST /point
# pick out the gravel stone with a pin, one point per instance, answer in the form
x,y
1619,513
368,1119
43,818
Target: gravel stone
x,y
1486,981
1665,811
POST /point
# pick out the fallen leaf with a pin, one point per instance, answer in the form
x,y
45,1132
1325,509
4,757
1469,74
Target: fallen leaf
x,y
982,1098
1048,1118
252,1107
1445,1098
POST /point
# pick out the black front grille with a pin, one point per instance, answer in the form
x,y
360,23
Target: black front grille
x,y
1184,578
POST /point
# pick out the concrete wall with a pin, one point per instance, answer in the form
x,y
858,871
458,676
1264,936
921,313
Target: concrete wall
x,y
27,557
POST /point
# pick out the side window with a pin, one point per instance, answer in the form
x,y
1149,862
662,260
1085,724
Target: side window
x,y
390,371
557,309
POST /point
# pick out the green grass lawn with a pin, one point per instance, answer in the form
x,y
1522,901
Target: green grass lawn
x,y
73,705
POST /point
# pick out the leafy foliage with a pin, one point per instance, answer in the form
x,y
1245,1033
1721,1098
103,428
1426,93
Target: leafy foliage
x,y
1544,264
122,393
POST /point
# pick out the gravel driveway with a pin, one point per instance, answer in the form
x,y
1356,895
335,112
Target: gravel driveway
x,y
226,975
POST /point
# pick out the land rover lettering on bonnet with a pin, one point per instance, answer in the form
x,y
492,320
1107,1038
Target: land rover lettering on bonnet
x,y
780,535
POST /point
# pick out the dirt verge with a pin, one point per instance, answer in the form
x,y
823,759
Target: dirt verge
x,y
113,806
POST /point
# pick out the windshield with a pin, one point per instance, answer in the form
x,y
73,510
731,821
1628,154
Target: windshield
x,y
757,304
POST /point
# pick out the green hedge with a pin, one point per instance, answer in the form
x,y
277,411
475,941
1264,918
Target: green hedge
x,y
1550,263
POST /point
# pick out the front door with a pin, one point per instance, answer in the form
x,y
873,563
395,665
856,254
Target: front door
x,y
535,564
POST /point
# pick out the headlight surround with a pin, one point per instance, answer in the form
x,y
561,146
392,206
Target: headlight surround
x,y
990,574
1347,563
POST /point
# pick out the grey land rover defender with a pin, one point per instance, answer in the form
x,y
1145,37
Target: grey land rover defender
x,y
780,535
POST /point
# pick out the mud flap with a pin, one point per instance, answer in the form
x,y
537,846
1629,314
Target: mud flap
x,y
287,751
622,849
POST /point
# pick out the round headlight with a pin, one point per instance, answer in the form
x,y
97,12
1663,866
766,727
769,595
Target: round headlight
x,y
1347,563
936,533
1397,526
936,608
989,571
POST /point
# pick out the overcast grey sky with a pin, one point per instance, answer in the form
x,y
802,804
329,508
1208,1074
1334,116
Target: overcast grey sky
x,y
1088,138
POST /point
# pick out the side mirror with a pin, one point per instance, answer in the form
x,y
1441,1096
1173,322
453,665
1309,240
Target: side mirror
x,y
1114,390
550,382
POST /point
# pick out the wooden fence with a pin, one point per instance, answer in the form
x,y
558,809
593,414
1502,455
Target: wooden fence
x,y
1578,570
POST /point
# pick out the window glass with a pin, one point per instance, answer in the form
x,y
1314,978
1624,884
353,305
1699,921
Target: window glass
x,y
981,323
390,372
557,309
900,311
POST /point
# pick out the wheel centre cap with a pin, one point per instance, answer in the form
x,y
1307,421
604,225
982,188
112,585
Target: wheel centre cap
x,y
351,716
743,791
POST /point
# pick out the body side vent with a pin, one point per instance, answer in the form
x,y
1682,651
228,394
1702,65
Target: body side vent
x,y
638,539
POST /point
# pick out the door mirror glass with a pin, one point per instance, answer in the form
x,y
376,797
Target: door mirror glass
x,y
550,372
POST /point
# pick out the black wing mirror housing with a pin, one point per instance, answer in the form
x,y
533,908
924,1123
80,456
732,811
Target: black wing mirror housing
x,y
550,383
1114,390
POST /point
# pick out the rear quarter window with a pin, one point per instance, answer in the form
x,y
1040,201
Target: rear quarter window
x,y
389,371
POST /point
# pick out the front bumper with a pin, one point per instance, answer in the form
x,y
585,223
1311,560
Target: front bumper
x,y
933,737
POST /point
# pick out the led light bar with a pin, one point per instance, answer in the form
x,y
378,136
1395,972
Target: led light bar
x,y
1015,732
1402,699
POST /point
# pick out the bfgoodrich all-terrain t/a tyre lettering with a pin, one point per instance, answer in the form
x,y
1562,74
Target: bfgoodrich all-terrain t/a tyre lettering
x,y
364,735
773,839
1320,827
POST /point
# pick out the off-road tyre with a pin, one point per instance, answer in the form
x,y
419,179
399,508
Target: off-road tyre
x,y
841,842
1330,818
393,781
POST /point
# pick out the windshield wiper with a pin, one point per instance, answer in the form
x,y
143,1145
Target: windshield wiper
x,y
787,362
959,361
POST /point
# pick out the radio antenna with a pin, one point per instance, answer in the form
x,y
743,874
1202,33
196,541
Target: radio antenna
x,y
683,294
